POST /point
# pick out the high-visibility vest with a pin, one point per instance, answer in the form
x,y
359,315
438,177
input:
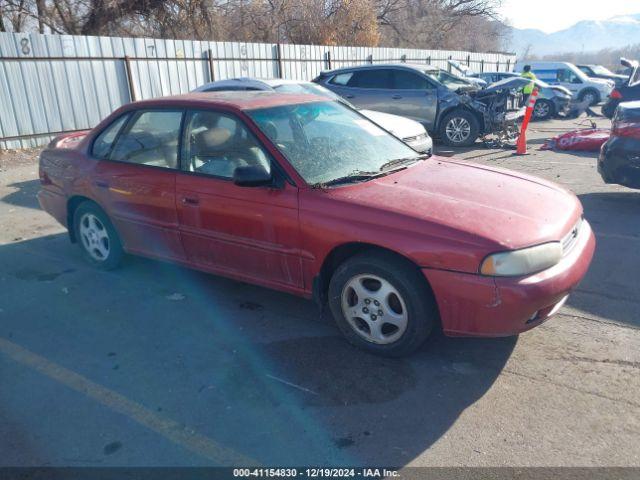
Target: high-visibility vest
x,y
527,89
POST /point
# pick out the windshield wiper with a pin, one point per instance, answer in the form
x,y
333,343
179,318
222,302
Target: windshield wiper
x,y
354,177
402,161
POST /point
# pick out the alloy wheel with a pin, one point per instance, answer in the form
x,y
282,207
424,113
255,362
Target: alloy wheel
x,y
458,129
94,237
541,109
374,309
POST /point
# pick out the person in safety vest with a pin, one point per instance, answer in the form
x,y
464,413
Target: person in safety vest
x,y
528,88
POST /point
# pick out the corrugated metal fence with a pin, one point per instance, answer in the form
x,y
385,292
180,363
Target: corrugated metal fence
x,y
56,83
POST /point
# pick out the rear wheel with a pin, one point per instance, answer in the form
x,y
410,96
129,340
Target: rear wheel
x,y
542,110
97,237
382,304
590,96
459,128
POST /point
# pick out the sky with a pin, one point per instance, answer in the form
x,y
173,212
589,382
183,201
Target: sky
x,y
553,15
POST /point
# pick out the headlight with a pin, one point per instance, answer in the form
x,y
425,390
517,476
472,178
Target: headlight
x,y
522,262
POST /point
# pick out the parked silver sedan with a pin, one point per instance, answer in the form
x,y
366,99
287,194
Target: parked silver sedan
x,y
411,132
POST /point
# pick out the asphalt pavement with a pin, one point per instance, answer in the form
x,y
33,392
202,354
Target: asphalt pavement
x,y
156,365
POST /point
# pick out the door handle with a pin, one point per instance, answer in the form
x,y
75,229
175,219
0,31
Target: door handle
x,y
101,184
348,95
190,201
396,97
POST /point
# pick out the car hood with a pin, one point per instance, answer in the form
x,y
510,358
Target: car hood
x,y
489,207
401,127
510,83
565,91
601,81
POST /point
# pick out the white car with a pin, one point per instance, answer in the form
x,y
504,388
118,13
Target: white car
x,y
410,131
593,90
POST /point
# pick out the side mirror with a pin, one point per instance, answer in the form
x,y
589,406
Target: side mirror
x,y
251,176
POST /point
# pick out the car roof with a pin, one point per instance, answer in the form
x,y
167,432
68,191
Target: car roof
x,y
254,83
231,82
410,66
240,100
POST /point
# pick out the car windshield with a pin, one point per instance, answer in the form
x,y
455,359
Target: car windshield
x,y
327,141
600,70
446,79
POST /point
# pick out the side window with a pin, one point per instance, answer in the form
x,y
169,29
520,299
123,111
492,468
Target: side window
x,y
404,80
217,143
341,79
371,79
567,76
102,145
152,139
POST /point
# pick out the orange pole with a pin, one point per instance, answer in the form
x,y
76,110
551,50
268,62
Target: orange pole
x,y
522,138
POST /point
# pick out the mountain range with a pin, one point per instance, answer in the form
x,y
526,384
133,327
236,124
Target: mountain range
x,y
584,36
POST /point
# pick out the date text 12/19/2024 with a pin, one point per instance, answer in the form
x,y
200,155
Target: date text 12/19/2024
x,y
314,473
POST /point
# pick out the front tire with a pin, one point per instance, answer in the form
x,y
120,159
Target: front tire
x,y
459,128
543,110
96,236
382,304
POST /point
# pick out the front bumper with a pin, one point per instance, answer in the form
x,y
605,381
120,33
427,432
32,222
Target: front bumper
x,y
476,305
561,105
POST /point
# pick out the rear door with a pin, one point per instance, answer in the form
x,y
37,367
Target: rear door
x,y
245,232
369,88
134,177
414,96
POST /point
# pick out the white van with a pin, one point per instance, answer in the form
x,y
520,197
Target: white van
x,y
568,75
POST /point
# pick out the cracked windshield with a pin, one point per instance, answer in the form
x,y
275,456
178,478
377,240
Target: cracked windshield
x,y
327,141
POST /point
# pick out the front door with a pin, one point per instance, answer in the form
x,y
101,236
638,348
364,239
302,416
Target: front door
x,y
414,97
246,232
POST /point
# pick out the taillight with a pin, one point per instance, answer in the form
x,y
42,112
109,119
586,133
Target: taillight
x,y
625,129
615,94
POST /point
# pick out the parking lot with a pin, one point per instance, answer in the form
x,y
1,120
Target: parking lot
x,y
157,365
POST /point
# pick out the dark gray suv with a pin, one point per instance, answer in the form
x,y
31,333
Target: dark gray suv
x,y
444,103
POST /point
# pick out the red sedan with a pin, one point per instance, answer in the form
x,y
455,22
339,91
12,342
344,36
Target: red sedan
x,y
305,195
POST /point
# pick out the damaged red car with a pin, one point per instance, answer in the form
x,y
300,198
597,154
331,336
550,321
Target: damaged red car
x,y
305,195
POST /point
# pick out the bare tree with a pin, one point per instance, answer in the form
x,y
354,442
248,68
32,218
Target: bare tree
x,y
412,23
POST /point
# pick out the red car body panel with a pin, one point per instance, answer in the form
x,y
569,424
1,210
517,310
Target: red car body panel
x,y
444,215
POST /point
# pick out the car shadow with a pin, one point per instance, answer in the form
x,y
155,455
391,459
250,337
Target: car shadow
x,y
25,194
257,371
611,289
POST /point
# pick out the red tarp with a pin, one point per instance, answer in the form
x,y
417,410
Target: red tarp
x,y
589,140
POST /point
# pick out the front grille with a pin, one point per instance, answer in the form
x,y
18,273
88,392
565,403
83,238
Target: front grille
x,y
571,238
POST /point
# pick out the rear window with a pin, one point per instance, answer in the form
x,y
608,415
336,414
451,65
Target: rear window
x,y
341,79
152,140
104,142
371,79
231,88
